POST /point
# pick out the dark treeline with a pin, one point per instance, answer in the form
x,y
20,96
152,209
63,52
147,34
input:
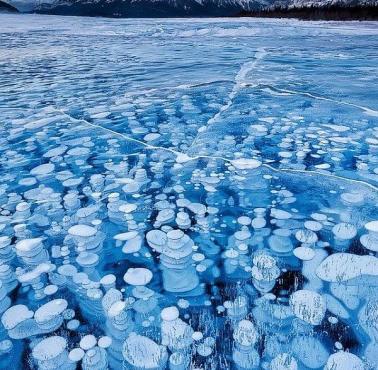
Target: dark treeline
x,y
333,12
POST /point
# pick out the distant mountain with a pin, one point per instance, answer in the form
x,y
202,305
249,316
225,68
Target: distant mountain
x,y
306,9
7,8
152,8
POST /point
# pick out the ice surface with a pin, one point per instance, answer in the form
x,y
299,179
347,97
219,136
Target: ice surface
x,y
188,194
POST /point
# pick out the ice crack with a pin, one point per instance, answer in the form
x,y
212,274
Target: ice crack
x,y
367,110
238,85
183,157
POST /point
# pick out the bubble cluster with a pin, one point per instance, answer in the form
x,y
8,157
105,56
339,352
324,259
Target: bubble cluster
x,y
222,225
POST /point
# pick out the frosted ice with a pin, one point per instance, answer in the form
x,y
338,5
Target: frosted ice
x,y
188,194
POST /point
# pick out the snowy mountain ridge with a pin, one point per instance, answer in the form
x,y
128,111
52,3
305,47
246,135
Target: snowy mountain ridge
x,y
151,8
245,4
175,8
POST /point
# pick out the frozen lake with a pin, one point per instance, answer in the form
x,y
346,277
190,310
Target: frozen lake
x,y
188,194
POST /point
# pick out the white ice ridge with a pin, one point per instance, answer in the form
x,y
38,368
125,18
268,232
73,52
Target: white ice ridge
x,y
183,157
366,110
239,83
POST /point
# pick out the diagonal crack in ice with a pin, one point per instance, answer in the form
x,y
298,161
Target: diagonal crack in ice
x,y
238,85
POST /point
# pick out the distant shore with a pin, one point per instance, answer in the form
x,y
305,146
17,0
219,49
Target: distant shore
x,y
331,13
116,10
